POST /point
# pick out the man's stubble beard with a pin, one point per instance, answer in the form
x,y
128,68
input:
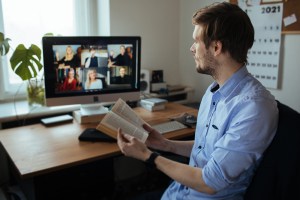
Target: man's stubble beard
x,y
209,65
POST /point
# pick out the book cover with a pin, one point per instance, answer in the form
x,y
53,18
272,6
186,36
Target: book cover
x,y
122,116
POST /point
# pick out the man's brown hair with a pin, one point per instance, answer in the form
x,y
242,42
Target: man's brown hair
x,y
230,25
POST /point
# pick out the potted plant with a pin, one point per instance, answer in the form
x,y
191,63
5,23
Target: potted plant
x,y
26,63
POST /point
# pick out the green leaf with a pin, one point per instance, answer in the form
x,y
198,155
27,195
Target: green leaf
x,y
49,34
4,45
26,62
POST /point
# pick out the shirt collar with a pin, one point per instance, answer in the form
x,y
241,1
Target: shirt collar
x,y
231,82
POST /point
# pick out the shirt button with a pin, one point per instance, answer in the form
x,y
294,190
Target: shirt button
x,y
214,103
186,188
206,125
200,147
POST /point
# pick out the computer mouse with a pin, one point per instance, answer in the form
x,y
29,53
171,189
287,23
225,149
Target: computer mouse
x,y
191,119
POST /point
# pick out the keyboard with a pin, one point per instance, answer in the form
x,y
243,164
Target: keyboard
x,y
169,126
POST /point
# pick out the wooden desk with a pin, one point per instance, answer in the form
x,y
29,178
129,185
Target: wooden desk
x,y
36,150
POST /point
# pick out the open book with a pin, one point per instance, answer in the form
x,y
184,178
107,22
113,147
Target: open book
x,y
122,116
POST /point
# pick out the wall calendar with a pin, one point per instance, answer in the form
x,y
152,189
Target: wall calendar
x,y
263,57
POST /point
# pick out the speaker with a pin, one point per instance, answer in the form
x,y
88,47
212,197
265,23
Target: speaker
x,y
145,80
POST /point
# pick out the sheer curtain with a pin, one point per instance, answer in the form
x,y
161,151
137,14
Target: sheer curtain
x,y
27,21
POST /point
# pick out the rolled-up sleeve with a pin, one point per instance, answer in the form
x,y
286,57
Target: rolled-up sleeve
x,y
241,145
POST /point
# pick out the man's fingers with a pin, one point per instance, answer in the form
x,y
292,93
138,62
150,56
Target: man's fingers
x,y
125,138
148,128
120,135
121,141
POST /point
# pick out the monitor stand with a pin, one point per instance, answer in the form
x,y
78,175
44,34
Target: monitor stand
x,y
92,109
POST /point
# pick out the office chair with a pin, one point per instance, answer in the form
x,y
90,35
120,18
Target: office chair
x,y
278,175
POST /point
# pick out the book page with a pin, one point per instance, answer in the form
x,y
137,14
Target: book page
x,y
122,109
113,121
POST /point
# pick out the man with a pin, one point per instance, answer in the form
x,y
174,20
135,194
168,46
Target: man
x,y
122,59
91,61
123,78
237,117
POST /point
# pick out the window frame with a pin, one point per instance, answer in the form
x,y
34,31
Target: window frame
x,y
92,18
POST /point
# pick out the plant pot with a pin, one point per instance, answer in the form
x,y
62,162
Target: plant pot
x,y
36,92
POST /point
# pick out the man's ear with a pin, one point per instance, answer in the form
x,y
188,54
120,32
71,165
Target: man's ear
x,y
217,47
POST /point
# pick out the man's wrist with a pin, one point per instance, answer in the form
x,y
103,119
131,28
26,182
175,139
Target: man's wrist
x,y
151,160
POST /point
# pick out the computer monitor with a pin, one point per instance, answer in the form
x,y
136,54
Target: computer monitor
x,y
91,70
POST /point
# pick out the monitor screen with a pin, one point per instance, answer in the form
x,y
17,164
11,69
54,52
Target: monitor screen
x,y
87,70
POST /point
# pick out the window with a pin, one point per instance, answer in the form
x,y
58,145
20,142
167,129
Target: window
x,y
27,21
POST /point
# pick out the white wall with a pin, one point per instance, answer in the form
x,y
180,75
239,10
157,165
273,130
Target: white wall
x,y
289,74
157,22
166,30
189,76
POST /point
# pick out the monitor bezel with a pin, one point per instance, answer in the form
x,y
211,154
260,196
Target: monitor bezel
x,y
54,99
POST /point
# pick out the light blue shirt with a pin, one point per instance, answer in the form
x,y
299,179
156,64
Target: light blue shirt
x,y
97,84
236,123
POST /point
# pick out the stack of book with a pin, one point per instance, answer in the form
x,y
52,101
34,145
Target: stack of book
x,y
84,119
90,114
153,104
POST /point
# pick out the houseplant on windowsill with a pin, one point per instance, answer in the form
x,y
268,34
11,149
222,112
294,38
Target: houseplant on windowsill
x,y
26,63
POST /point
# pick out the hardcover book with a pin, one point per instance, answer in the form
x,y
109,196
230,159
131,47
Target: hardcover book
x,y
83,119
154,101
152,108
122,116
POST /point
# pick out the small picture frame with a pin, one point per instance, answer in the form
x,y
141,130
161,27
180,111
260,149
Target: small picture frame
x,y
157,76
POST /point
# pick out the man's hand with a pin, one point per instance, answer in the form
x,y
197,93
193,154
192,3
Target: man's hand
x,y
110,63
155,140
132,147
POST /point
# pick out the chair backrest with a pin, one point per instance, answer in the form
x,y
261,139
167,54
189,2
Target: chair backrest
x,y
278,175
